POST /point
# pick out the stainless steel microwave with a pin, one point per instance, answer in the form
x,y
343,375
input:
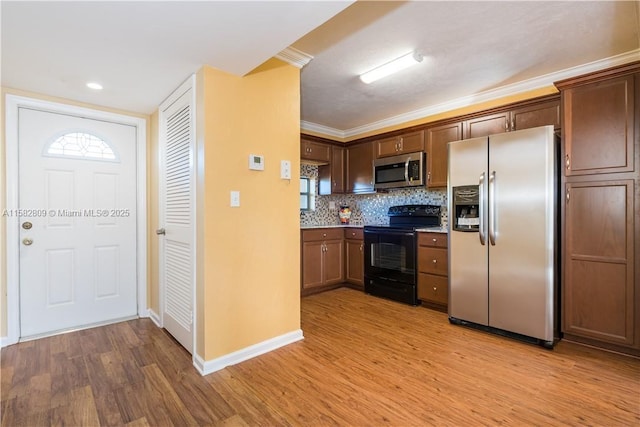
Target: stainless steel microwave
x,y
404,170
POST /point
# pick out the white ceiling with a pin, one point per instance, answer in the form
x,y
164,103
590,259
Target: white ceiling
x,y
141,51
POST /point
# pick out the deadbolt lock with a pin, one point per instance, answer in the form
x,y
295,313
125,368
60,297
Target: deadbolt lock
x,y
27,225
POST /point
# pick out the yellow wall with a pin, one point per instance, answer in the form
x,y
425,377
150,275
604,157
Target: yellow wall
x,y
249,279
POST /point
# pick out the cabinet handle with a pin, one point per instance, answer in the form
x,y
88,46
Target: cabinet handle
x,y
568,195
513,124
401,143
361,247
506,125
324,234
435,289
568,162
428,176
435,261
435,240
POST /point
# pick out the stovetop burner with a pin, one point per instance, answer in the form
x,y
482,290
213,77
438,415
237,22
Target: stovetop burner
x,y
410,217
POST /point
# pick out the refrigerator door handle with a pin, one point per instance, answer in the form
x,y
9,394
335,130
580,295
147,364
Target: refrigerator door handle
x,y
481,231
492,208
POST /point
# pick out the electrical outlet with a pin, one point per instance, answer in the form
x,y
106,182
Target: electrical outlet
x,y
285,169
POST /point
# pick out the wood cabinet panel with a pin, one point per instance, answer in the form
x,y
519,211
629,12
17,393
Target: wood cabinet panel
x,y
437,152
486,125
599,289
432,260
312,275
433,283
598,127
315,151
360,168
433,288
410,142
532,116
331,177
334,262
354,263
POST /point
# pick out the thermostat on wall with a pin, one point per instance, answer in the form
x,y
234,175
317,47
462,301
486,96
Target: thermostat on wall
x,y
256,162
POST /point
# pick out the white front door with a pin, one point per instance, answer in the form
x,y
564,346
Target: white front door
x,y
77,219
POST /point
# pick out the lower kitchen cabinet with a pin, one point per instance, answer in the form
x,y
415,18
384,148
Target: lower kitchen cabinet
x,y
433,282
354,261
322,259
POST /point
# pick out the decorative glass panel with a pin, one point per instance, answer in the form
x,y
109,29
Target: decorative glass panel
x,y
81,145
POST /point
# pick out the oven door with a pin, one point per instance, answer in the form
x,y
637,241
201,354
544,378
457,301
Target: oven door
x,y
390,254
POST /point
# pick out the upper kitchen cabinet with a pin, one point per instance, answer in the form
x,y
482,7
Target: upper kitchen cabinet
x,y
360,168
519,116
598,124
315,152
331,177
437,152
410,142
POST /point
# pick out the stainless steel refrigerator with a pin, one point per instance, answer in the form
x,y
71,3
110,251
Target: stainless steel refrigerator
x,y
502,233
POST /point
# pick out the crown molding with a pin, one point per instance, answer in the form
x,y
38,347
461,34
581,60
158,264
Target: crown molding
x,y
480,97
294,57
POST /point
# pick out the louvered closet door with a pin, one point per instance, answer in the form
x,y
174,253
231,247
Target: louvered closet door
x,y
177,245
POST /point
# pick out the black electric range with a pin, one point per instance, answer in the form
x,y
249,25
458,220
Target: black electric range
x,y
391,252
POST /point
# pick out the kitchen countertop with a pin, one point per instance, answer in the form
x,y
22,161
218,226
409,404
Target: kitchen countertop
x,y
311,227
436,229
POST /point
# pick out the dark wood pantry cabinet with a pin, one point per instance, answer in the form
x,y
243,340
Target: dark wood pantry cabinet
x,y
600,215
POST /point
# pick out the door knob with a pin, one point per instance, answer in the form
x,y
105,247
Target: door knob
x,y
27,241
160,231
27,225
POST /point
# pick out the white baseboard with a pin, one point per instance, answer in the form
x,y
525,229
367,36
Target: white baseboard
x,y
206,367
155,318
5,341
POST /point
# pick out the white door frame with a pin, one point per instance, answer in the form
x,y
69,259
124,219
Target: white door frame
x,y
13,103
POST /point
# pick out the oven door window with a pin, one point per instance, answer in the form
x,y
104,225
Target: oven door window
x,y
390,255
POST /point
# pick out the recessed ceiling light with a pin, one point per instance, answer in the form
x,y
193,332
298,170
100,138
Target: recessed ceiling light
x,y
391,67
94,86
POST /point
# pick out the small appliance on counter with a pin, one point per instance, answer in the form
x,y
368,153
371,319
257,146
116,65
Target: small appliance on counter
x,y
390,256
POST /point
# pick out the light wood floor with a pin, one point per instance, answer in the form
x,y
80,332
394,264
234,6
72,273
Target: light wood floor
x,y
364,362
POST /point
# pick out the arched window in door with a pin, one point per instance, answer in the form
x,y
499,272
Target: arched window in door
x,y
80,145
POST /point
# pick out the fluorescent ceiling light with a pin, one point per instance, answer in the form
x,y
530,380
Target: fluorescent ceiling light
x,y
94,86
391,67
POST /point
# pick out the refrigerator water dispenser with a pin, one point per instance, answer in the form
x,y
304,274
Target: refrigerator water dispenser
x,y
465,205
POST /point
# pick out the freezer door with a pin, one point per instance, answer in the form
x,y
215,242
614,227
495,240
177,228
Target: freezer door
x,y
521,231
468,257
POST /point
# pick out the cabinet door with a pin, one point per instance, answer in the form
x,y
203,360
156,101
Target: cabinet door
x,y
412,142
433,288
437,153
533,116
333,262
598,261
312,253
432,260
315,151
355,262
387,147
360,168
486,125
598,127
338,161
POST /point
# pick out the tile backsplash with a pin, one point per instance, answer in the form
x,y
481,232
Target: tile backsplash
x,y
367,209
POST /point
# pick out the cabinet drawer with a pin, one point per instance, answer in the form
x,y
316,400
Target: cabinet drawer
x,y
439,240
432,260
322,234
354,233
433,288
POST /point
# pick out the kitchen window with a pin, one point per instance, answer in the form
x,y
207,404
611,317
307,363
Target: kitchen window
x,y
307,194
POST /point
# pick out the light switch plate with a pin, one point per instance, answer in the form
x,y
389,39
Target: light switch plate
x,y
235,199
285,169
256,162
